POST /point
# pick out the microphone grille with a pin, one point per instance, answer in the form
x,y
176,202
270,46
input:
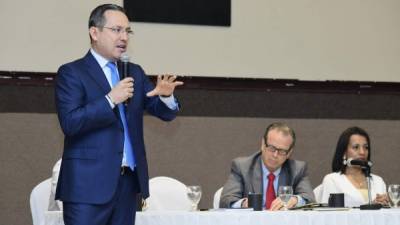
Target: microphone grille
x,y
124,57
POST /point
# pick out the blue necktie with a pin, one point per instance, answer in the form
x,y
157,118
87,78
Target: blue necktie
x,y
128,151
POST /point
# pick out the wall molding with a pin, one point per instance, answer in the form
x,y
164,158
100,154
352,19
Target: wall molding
x,y
19,78
32,92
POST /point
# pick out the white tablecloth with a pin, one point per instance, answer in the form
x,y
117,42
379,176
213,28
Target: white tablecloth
x,y
245,217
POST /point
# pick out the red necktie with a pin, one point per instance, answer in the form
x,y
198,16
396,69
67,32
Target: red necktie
x,y
270,192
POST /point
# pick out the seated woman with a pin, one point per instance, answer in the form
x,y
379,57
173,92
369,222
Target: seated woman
x,y
353,143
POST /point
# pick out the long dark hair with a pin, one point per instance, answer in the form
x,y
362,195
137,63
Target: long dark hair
x,y
342,144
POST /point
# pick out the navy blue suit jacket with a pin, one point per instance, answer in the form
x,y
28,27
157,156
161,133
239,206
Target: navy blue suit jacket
x,y
93,143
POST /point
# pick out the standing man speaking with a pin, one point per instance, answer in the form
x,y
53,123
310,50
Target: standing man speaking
x,y
104,162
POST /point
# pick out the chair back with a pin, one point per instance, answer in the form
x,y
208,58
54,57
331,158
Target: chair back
x,y
217,196
39,201
167,193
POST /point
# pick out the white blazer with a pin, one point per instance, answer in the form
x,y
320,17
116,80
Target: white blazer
x,y
338,183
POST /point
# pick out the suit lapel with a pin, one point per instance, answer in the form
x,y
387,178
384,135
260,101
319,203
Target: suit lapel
x,y
284,176
257,176
96,73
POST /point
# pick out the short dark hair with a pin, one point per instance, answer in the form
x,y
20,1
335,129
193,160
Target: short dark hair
x,y
281,127
341,147
97,18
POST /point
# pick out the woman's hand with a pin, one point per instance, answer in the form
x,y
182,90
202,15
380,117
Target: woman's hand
x,y
381,199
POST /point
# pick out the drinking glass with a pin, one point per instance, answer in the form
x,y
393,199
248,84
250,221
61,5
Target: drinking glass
x,y
285,193
394,194
194,195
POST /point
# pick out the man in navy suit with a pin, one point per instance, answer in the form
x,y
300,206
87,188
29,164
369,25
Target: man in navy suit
x,y
104,162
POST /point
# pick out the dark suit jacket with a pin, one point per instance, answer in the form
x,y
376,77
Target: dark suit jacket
x,y
246,176
93,143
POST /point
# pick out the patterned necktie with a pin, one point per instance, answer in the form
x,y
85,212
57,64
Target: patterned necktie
x,y
128,150
270,192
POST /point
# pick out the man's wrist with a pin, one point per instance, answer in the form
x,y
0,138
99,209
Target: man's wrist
x,y
242,203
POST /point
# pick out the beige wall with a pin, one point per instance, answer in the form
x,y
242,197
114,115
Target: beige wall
x,y
302,39
195,150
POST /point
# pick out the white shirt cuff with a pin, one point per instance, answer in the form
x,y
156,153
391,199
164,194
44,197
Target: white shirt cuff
x,y
110,102
169,101
237,204
300,201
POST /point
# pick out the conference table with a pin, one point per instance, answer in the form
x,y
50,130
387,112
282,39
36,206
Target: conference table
x,y
249,217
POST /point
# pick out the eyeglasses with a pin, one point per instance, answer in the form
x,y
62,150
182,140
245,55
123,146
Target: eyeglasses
x,y
274,149
120,30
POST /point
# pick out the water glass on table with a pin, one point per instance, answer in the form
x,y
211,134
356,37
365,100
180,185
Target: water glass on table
x,y
394,194
285,193
194,195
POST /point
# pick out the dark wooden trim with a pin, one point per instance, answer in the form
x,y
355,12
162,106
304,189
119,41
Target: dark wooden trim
x,y
231,84
26,78
28,92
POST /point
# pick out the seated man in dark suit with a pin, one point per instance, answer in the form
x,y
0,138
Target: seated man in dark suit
x,y
266,170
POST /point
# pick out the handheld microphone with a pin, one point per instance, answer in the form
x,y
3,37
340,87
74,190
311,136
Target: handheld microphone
x,y
125,70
